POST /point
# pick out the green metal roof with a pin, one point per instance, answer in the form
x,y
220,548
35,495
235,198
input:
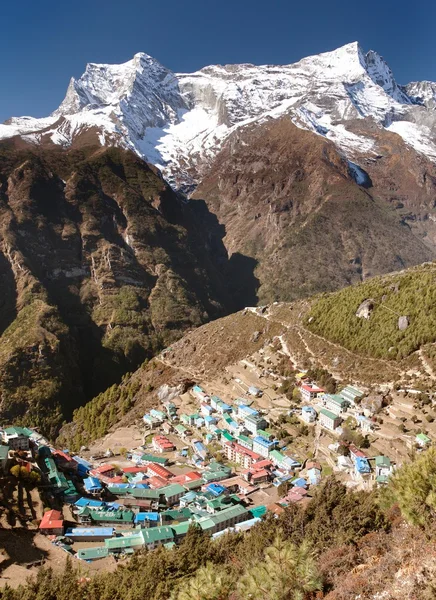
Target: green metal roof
x,y
181,528
329,414
18,431
228,436
382,461
129,541
423,438
157,534
223,515
160,460
172,490
258,511
93,553
276,455
194,484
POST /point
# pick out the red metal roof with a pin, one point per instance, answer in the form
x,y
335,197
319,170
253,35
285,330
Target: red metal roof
x,y
159,470
52,519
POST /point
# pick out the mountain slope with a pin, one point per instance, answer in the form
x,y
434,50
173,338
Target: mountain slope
x,y
289,200
180,121
100,267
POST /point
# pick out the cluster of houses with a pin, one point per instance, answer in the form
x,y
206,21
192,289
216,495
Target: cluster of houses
x,y
119,509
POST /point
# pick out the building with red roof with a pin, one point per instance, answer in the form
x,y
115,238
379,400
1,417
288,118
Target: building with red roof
x,y
241,455
52,523
162,444
159,470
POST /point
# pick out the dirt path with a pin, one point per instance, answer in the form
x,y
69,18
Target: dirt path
x,y
427,367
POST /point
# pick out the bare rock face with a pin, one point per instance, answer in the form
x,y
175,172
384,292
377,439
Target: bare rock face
x,y
403,323
365,309
100,268
285,199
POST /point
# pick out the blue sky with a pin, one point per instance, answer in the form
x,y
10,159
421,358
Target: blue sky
x,y
45,42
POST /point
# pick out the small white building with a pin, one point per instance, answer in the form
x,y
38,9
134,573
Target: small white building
x,y
308,414
309,392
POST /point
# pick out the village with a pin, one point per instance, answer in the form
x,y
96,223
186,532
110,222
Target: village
x,y
219,455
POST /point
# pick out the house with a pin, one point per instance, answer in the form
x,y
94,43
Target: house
x,y
214,401
172,493
199,393
104,470
167,428
355,453
189,420
146,459
308,414
17,438
362,466
52,523
83,466
200,449
245,411
254,391
255,422
159,415
263,446
146,519
310,391
238,454
335,403
92,486
283,462
150,421
209,421
182,431
422,440
352,395
383,469
226,437
159,471
245,441
93,553
224,519
4,457
223,408
314,475
329,420
206,409
366,425
162,444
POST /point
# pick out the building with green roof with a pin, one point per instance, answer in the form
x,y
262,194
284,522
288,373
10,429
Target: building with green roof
x,y
93,553
224,519
329,420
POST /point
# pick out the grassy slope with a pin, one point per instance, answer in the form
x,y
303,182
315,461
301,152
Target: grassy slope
x,y
409,293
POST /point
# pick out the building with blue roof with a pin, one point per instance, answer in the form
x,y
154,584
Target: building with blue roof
x,y
216,489
90,534
362,465
92,485
209,421
299,482
81,502
200,449
83,466
263,446
147,518
308,414
246,411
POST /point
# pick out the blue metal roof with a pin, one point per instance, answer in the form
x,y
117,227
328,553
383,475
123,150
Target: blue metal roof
x,y
300,482
89,531
88,502
362,465
148,516
262,441
81,461
92,483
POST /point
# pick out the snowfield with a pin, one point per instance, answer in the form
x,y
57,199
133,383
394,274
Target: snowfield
x,y
179,122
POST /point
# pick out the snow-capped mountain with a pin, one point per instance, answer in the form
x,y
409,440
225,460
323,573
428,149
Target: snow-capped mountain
x,y
180,121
